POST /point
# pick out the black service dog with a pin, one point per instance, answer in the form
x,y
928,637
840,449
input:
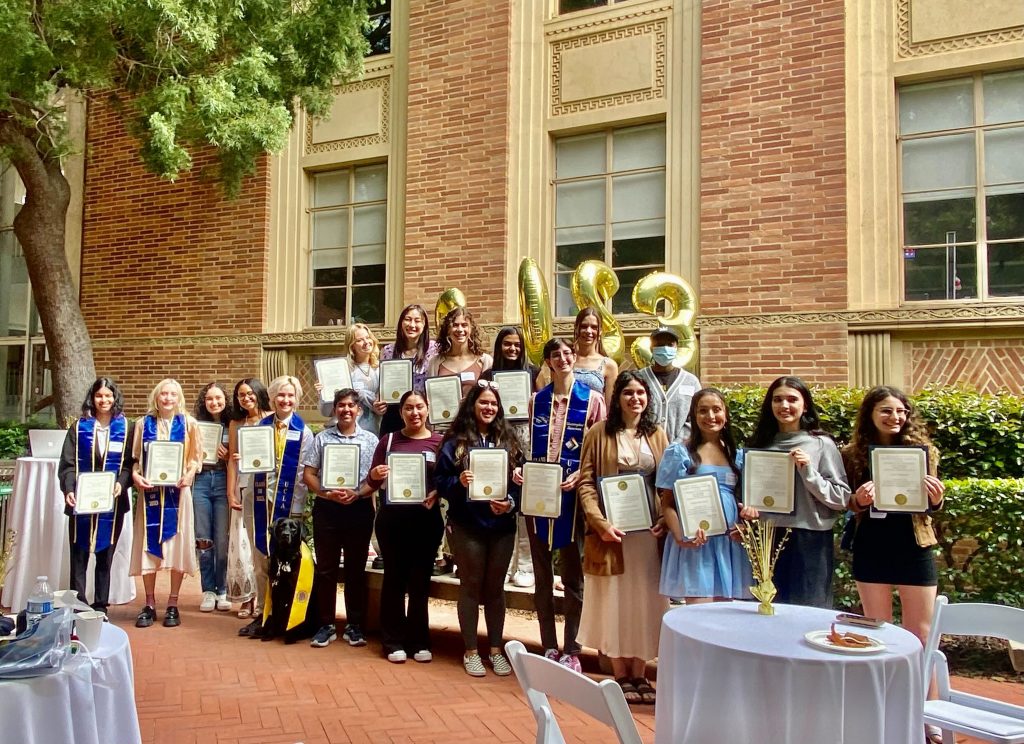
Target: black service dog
x,y
286,537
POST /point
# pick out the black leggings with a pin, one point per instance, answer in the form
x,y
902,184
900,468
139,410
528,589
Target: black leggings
x,y
482,557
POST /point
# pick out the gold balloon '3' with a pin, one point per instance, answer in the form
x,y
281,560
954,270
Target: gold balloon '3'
x,y
682,309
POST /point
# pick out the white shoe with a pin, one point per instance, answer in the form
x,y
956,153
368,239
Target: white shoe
x,y
522,579
423,657
223,604
397,657
209,602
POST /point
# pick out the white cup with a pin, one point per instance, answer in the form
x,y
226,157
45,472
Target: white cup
x,y
88,626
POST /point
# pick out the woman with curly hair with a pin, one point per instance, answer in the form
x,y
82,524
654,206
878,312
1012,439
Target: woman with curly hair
x,y
460,350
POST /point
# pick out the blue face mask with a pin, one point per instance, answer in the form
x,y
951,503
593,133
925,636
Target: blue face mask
x,y
663,355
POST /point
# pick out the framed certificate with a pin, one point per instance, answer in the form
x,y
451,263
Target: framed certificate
x,y
542,489
211,434
164,462
625,502
514,390
407,478
94,493
699,505
769,481
443,396
334,374
490,474
255,449
340,466
898,474
395,379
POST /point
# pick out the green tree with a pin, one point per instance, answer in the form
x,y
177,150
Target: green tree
x,y
188,74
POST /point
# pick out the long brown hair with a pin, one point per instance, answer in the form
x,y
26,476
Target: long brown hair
x,y
865,433
586,313
726,439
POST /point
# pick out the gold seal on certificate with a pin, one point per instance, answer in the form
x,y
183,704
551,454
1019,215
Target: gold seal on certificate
x,y
395,377
769,481
898,474
211,434
94,493
490,474
626,502
699,505
542,489
407,478
256,449
339,465
164,462
514,389
444,394
334,374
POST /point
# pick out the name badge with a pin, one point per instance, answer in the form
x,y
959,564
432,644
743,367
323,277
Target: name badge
x,y
224,438
731,479
467,376
688,390
430,456
117,446
294,436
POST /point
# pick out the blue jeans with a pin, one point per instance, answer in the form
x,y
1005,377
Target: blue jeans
x,y
210,502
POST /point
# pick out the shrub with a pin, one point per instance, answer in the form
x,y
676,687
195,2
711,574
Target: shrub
x,y
13,439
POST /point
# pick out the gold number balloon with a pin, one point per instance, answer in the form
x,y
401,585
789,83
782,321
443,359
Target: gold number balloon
x,y
592,285
535,309
450,299
682,302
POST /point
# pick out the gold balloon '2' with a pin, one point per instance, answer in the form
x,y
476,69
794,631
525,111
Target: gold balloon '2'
x,y
450,299
593,284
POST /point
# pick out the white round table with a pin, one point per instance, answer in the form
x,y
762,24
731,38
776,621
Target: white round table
x,y
36,513
727,674
85,703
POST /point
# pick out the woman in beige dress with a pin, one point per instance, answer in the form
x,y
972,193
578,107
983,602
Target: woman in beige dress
x,y
164,527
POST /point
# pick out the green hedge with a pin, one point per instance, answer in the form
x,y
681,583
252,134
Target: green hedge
x,y
13,439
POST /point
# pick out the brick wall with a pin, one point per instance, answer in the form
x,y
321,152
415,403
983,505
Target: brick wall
x,y
773,217
988,365
457,153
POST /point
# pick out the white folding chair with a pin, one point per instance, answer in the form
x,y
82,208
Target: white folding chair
x,y
540,677
975,716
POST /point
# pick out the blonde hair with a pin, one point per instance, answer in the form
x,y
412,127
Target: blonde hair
x,y
350,335
160,386
279,382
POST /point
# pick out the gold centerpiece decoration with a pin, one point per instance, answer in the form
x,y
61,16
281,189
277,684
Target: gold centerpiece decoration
x,y
758,540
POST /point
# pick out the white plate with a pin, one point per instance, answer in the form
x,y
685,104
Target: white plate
x,y
819,639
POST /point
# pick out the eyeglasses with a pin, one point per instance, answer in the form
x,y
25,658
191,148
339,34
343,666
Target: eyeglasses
x,y
488,385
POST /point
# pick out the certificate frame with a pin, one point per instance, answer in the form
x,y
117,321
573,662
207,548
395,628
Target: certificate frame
x,y
258,439
94,492
488,489
773,498
514,391
395,377
691,519
339,466
536,500
412,493
614,490
333,373
210,433
168,452
893,494
446,392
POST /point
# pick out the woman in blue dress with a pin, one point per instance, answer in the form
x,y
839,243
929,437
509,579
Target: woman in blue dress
x,y
706,568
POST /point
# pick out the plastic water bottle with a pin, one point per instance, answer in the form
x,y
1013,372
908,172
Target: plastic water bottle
x,y
40,602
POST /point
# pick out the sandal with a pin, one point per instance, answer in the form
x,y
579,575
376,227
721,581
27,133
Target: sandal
x,y
932,734
628,691
245,610
643,687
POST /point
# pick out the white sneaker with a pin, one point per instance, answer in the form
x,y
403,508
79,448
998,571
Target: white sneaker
x,y
209,602
397,657
522,579
223,604
423,657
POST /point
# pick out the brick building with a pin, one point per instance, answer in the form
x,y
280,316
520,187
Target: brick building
x,y
841,182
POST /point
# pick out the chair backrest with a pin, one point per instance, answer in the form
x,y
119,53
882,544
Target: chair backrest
x,y
540,677
977,619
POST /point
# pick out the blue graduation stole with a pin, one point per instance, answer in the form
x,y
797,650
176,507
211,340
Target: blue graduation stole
x,y
95,532
265,512
562,531
161,502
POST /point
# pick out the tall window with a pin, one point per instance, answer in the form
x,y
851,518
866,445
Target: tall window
x,y
349,229
962,158
571,6
378,33
610,206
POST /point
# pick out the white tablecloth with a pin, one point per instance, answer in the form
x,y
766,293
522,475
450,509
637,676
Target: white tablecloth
x,y
36,512
727,674
84,703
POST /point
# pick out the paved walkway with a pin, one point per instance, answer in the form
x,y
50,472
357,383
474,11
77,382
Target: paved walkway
x,y
200,682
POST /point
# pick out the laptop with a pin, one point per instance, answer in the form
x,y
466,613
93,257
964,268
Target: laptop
x,y
46,443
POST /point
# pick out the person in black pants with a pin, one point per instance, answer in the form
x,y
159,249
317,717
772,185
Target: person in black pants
x,y
342,520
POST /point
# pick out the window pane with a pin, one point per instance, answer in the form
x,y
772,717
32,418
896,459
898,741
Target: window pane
x,y
939,163
638,197
638,147
330,189
329,307
564,306
12,369
1005,213
15,296
580,156
370,224
638,251
1004,156
931,222
379,31
622,302
330,229
580,203
571,255
568,6
12,194
368,264
368,304
932,107
371,183
1004,97
1006,270
940,273
40,386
